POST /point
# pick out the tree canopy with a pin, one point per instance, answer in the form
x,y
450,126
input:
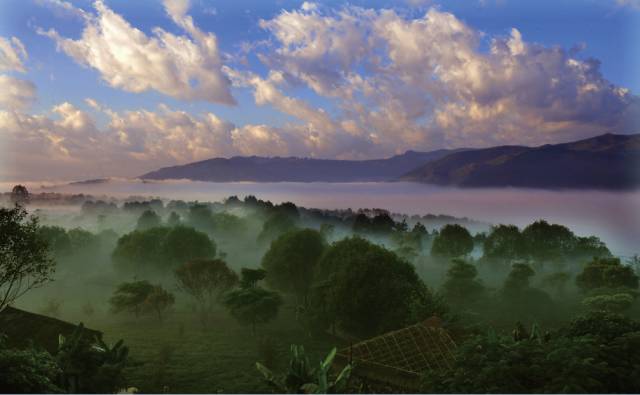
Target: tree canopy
x,y
291,260
452,241
25,259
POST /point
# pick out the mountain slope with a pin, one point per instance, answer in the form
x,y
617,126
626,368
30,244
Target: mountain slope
x,y
608,161
261,169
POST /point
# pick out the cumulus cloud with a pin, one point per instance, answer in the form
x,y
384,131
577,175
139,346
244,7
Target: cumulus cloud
x,y
186,67
16,93
425,82
67,143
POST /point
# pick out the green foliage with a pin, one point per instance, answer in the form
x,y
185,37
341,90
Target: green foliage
x,y
291,260
253,306
606,273
452,241
183,244
161,248
302,377
25,259
57,239
19,195
148,219
615,302
518,279
90,365
603,325
131,297
548,242
367,289
279,223
159,300
461,288
504,242
205,281
250,277
27,371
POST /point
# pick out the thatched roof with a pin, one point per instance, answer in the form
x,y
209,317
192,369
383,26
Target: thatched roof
x,y
23,327
401,356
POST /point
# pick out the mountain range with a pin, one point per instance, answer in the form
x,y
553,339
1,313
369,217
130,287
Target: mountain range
x,y
609,161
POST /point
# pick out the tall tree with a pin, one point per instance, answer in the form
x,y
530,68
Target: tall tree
x,y
25,260
452,241
205,281
131,297
148,219
291,260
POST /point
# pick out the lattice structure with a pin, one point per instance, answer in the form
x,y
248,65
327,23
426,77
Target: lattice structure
x,y
404,354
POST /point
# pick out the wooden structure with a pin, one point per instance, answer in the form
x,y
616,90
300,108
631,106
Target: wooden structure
x,y
399,358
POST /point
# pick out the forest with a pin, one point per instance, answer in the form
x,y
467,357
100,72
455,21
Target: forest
x,y
250,296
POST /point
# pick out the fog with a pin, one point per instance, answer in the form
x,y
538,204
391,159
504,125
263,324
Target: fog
x,y
612,216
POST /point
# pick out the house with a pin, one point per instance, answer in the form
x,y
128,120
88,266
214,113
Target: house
x,y
398,359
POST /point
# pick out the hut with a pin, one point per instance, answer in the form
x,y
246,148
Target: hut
x,y
398,359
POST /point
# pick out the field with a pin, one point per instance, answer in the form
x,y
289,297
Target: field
x,y
178,356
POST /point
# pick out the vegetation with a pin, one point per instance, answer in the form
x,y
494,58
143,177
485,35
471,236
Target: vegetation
x,y
25,262
318,278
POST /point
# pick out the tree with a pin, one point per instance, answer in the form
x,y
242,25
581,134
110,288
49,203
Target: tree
x,y
544,242
368,290
25,261
518,279
148,219
453,241
159,300
131,297
205,281
174,219
161,248
140,250
251,277
278,223
27,371
606,273
57,239
291,260
253,306
461,286
183,244
504,242
19,195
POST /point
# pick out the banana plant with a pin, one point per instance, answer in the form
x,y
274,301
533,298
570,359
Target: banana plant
x,y
303,378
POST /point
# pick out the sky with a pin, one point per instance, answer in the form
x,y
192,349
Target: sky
x,y
119,88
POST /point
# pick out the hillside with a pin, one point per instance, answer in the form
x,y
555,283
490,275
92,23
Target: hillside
x,y
608,161
262,169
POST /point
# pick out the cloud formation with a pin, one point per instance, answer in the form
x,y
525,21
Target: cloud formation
x,y
420,83
186,67
352,83
16,93
130,144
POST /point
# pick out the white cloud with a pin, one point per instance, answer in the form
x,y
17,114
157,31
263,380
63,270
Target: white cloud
x,y
425,82
12,55
66,143
16,93
186,67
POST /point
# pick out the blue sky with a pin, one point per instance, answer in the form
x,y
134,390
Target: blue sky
x,y
297,117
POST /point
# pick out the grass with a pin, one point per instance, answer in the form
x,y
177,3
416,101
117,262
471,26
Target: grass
x,y
178,356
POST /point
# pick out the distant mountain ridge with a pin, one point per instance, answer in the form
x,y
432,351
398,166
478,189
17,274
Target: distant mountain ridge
x,y
293,169
609,161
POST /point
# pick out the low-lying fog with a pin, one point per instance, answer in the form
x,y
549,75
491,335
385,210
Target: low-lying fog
x,y
613,216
